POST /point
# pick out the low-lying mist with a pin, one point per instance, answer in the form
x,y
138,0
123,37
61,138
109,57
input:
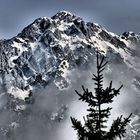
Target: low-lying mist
x,y
48,116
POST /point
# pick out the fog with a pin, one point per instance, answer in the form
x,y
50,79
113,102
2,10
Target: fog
x,y
48,116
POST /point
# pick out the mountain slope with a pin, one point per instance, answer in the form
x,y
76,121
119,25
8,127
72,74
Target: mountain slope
x,y
49,48
48,52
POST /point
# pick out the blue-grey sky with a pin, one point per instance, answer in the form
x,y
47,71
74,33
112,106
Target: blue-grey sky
x,y
116,15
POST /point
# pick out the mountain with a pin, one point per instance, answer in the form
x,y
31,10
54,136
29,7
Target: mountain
x,y
49,50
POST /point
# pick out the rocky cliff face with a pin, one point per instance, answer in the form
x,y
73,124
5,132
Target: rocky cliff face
x,y
49,48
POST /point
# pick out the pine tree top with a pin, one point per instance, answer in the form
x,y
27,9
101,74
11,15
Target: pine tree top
x,y
95,122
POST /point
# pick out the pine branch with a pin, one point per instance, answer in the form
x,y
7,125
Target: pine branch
x,y
80,129
118,128
109,93
87,96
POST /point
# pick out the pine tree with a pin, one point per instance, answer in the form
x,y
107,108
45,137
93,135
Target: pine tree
x,y
96,121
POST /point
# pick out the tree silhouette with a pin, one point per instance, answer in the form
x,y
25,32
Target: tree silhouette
x,y
95,122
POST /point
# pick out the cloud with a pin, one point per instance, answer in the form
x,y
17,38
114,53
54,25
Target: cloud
x,y
35,123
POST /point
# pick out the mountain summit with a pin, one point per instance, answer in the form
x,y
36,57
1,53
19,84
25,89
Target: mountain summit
x,y
49,49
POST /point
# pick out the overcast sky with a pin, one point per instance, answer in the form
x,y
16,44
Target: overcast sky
x,y
115,15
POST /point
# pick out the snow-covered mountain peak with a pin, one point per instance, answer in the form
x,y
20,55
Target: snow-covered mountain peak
x,y
131,36
49,49
65,15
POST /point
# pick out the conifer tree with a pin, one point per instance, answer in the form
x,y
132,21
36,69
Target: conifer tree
x,y
96,121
